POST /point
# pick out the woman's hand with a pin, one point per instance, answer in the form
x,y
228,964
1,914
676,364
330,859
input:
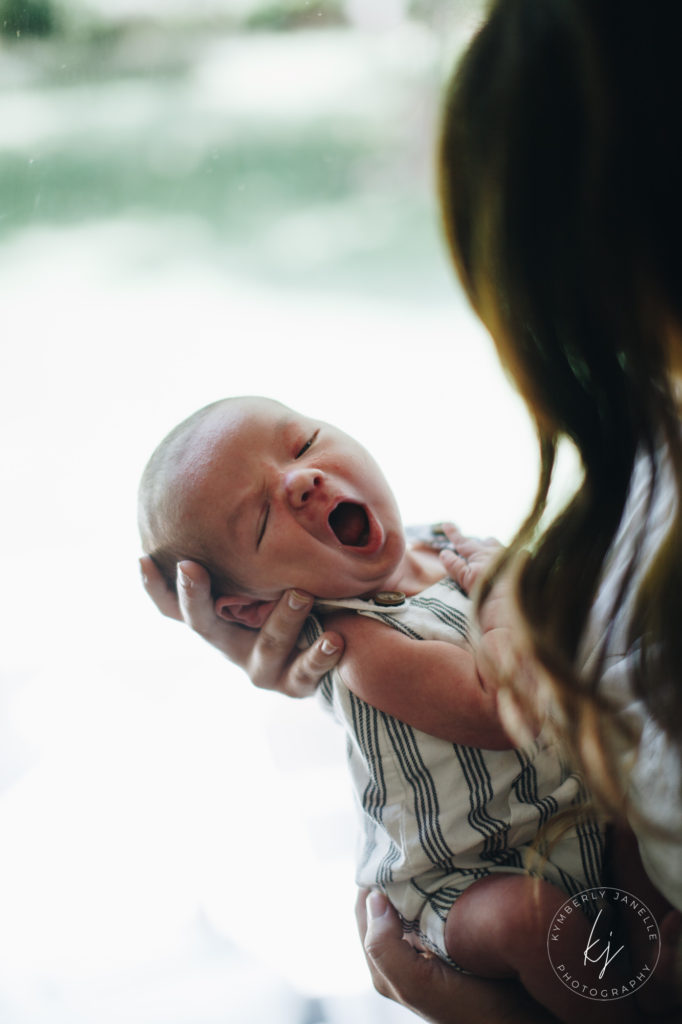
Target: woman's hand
x,y
426,985
268,656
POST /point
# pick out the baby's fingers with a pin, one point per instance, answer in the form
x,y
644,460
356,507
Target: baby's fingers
x,y
468,546
459,569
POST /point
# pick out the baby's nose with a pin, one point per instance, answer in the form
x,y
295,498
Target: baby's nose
x,y
301,485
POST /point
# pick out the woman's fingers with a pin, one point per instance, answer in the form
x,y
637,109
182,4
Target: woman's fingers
x,y
269,656
422,982
276,642
275,662
196,601
399,970
155,585
381,935
426,984
304,674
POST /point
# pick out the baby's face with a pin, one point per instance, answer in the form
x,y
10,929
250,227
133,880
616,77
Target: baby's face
x,y
285,501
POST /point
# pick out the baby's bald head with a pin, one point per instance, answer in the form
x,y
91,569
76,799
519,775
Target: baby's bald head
x,y
168,529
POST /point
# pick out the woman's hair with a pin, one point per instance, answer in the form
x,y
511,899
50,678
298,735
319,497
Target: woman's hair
x,y
560,175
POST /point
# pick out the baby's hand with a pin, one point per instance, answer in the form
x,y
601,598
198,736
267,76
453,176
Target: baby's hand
x,y
503,656
269,656
471,559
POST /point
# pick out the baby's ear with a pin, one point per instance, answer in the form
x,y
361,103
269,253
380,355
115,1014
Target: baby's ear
x,y
247,611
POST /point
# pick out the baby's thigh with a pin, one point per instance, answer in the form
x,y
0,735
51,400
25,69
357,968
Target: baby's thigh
x,y
500,922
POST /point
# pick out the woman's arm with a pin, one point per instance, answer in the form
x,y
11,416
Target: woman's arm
x,y
268,656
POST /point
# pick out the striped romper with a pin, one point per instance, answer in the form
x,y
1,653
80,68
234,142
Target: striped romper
x,y
437,816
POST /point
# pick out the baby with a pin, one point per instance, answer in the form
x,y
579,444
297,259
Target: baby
x,y
267,499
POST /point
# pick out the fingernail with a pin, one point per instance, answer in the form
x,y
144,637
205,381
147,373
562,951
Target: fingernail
x,y
183,579
143,574
376,904
327,647
297,601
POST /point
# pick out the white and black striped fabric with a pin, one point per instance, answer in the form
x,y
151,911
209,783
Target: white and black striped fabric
x,y
437,816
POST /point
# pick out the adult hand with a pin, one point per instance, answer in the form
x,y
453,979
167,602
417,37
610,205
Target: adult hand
x,y
426,985
268,656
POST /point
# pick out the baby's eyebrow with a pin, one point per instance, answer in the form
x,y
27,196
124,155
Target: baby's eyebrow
x,y
247,507
287,420
282,424
232,520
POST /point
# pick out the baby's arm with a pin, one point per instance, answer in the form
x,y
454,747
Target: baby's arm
x,y
428,684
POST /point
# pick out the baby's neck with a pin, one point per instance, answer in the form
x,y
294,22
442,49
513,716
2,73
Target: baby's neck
x,y
419,568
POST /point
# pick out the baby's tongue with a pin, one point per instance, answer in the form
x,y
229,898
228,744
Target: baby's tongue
x,y
349,523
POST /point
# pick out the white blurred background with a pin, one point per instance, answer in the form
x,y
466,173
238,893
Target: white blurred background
x,y
199,200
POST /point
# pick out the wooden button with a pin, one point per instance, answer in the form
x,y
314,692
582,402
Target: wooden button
x,y
389,598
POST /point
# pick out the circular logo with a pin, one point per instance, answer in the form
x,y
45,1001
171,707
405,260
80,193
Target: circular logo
x,y
618,946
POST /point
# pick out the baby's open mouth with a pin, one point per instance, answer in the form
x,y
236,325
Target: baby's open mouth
x,y
350,524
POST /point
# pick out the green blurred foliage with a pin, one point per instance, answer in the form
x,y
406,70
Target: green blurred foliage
x,y
325,199
26,18
292,14
240,183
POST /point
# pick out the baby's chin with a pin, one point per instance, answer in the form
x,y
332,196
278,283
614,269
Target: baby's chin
x,y
364,589
351,581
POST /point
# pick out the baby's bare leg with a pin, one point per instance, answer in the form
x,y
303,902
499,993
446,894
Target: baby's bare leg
x,y
498,929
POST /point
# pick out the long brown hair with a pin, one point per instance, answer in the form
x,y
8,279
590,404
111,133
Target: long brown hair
x,y
560,180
